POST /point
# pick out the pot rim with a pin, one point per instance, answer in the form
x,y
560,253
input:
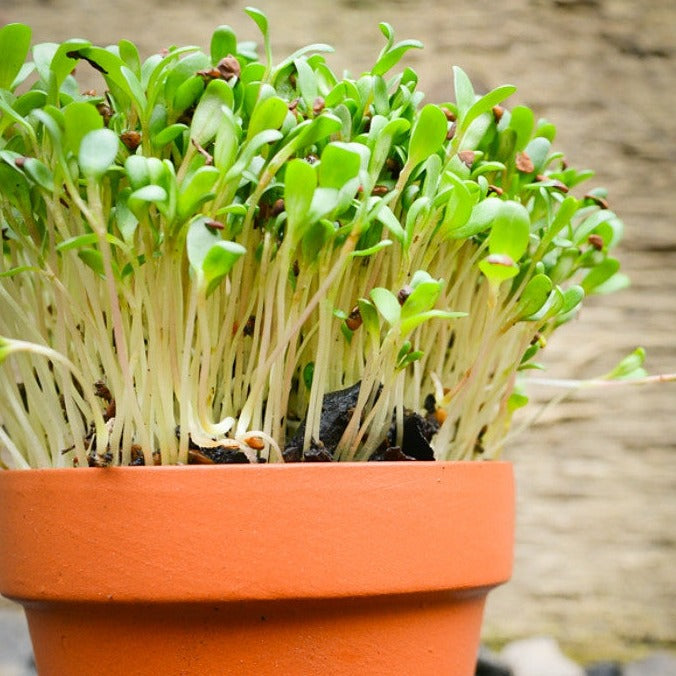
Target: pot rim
x,y
294,531
249,466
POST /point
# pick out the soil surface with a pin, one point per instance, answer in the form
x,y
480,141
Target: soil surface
x,y
597,475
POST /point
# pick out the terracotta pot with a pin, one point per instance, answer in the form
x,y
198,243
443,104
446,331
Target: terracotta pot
x,y
378,568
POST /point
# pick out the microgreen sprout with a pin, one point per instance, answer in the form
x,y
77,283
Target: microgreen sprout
x,y
195,261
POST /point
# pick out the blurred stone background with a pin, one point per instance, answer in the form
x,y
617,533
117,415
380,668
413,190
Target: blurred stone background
x,y
596,538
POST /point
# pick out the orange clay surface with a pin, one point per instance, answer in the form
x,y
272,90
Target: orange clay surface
x,y
378,568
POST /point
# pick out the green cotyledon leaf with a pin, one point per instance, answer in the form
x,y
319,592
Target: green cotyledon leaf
x,y
387,304
218,262
97,152
15,39
510,230
428,134
80,118
300,181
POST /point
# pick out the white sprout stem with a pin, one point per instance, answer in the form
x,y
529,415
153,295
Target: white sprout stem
x,y
57,357
97,222
19,461
293,329
319,377
185,390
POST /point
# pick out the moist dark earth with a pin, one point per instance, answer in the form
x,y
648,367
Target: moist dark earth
x,y
596,543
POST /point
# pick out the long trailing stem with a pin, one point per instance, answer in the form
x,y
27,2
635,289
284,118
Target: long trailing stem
x,y
593,383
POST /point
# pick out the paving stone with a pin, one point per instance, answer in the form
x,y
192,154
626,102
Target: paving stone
x,y
538,656
490,664
658,664
604,669
16,652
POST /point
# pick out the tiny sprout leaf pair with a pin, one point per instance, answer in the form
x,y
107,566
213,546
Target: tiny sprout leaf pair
x,y
211,258
507,241
413,306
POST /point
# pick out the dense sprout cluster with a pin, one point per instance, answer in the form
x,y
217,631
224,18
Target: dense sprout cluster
x,y
194,259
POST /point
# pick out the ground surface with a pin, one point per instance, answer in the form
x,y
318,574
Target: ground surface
x,y
597,507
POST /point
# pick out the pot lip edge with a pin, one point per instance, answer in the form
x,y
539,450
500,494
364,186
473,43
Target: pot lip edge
x,y
298,467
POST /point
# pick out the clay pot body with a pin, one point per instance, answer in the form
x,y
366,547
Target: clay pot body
x,y
376,568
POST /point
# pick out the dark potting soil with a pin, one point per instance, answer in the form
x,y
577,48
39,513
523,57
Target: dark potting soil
x,y
217,456
337,410
197,455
